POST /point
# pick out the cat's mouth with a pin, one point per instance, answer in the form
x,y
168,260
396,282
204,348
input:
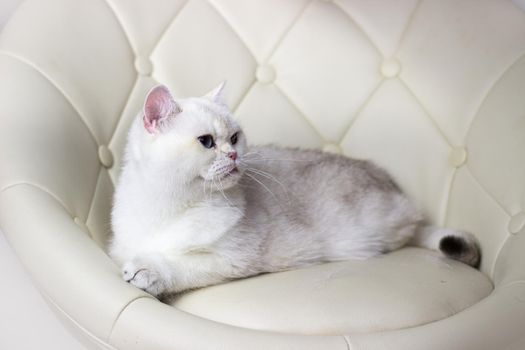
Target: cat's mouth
x,y
226,173
233,171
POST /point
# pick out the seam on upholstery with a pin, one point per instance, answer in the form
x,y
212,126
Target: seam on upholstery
x,y
112,179
360,110
243,96
121,25
427,112
485,190
41,188
55,85
117,124
48,298
497,256
122,310
286,32
168,27
510,284
445,212
489,90
86,333
308,121
93,195
134,50
233,29
489,195
347,341
359,27
407,27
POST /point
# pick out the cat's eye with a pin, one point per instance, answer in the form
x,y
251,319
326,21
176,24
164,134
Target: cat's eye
x,y
207,141
234,138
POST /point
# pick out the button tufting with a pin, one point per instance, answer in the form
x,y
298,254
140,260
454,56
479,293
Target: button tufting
x,y
516,223
265,74
82,225
105,156
332,148
458,157
143,65
390,68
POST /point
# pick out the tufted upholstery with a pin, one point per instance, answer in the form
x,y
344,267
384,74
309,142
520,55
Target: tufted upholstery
x,y
430,89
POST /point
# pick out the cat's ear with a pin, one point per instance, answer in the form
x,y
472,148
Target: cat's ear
x,y
159,106
216,95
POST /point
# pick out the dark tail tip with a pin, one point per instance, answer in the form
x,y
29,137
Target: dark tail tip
x,y
453,246
461,249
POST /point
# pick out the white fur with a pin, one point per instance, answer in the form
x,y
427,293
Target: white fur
x,y
182,219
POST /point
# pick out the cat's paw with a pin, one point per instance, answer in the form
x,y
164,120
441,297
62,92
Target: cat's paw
x,y
143,277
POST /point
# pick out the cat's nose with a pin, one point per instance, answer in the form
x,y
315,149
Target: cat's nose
x,y
232,155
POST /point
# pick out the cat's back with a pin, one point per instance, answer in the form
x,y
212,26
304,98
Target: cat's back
x,y
311,170
313,205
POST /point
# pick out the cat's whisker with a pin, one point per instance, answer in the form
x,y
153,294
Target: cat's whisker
x,y
214,183
269,176
227,199
263,185
266,175
251,153
204,188
261,172
261,159
206,196
210,194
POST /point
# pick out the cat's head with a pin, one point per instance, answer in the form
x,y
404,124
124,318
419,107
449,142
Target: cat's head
x,y
193,139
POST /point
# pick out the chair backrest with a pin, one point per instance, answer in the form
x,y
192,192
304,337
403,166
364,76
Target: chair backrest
x,y
432,90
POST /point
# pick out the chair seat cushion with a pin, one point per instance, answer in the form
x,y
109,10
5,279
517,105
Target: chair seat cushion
x,y
402,289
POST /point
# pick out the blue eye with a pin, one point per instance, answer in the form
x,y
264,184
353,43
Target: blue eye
x,y
207,141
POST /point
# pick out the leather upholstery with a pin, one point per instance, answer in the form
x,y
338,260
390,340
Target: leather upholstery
x,y
430,89
403,289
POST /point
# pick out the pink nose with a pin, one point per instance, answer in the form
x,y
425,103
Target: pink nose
x,y
232,155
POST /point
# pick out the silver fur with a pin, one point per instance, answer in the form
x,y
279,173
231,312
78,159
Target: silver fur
x,y
186,217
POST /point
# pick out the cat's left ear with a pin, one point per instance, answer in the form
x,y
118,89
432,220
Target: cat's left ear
x,y
216,95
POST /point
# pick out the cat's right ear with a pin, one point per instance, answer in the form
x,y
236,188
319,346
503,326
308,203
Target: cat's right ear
x,y
159,106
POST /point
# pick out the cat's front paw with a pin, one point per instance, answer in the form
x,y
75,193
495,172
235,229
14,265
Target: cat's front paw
x,y
143,277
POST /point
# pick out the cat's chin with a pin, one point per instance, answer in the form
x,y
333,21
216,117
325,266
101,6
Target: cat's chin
x,y
230,179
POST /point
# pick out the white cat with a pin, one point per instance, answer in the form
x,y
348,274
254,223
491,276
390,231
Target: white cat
x,y
194,206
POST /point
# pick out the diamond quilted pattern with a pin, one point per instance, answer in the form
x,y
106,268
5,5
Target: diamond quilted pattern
x,y
495,140
345,103
66,140
384,25
145,21
132,108
328,97
371,137
214,49
257,22
442,66
98,96
389,83
267,116
472,208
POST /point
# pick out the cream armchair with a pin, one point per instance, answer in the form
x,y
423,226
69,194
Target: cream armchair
x,y
433,90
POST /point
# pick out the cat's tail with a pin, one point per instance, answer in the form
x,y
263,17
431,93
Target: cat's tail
x,y
454,244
